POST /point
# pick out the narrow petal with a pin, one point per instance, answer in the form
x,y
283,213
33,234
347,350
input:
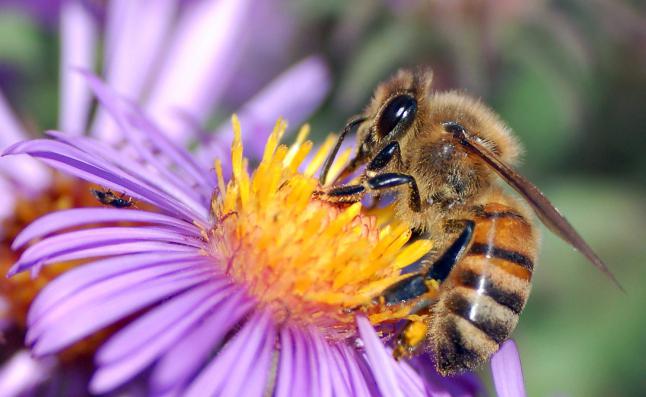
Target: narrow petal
x,y
176,368
136,33
229,370
321,358
61,330
320,383
73,162
294,377
252,370
294,96
156,176
409,381
49,249
381,363
260,372
145,330
507,371
125,248
135,347
303,378
78,50
20,169
74,281
195,72
60,220
144,134
360,385
287,369
97,292
339,376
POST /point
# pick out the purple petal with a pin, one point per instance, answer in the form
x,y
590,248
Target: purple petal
x,y
136,33
22,168
21,373
303,379
12,131
59,330
507,371
409,381
60,220
100,291
163,180
74,281
381,363
143,133
149,328
294,96
176,367
140,343
78,47
320,385
294,375
103,290
339,376
358,382
286,365
436,385
320,358
251,371
259,374
230,369
195,72
135,247
70,160
49,249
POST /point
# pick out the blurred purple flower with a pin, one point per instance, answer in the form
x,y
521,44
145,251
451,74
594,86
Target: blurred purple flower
x,y
167,268
46,11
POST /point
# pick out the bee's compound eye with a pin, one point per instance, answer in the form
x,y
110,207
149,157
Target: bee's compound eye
x,y
399,113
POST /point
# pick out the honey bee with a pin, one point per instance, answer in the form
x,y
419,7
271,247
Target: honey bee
x,y
107,197
441,154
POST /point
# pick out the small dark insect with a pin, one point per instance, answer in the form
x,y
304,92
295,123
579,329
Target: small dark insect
x,y
107,197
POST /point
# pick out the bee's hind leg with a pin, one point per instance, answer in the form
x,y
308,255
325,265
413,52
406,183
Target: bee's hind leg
x,y
423,287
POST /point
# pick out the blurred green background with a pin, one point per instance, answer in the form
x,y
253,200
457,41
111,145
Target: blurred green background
x,y
568,76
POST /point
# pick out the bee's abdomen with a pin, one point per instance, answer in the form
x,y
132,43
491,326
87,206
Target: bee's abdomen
x,y
486,291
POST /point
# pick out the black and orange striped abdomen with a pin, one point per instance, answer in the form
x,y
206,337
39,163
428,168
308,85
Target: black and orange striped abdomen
x,y
481,300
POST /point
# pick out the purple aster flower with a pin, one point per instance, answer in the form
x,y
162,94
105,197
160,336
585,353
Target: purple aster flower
x,y
141,41
239,287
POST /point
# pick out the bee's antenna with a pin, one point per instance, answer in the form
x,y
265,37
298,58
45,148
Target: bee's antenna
x,y
330,158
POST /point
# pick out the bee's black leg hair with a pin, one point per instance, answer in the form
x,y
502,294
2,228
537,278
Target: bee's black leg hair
x,y
415,285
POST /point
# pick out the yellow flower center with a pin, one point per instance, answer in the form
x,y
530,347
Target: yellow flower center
x,y
311,263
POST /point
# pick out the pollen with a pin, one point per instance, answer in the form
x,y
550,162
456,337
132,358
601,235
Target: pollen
x,y
311,263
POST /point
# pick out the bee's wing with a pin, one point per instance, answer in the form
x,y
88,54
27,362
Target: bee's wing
x,y
546,212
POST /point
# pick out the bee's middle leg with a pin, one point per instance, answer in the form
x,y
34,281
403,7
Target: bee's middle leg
x,y
376,184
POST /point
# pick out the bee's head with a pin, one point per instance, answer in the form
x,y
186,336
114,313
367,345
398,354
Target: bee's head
x,y
396,109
